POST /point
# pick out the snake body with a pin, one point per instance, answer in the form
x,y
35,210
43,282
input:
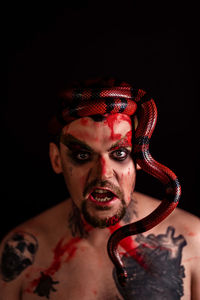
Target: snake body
x,y
77,103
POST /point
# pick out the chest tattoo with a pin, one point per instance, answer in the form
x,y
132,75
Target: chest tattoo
x,y
160,276
45,286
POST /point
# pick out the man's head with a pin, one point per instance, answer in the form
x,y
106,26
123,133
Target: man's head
x,y
94,157
96,137
94,150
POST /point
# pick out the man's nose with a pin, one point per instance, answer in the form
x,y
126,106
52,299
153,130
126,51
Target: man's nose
x,y
104,168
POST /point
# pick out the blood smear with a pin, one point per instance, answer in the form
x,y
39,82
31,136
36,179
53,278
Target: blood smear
x,y
59,251
129,246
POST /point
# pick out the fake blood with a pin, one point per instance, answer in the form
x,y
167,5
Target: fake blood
x,y
103,166
130,247
115,119
110,121
59,251
125,142
84,121
33,284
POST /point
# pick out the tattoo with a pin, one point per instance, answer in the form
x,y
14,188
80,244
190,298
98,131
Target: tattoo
x,y
131,211
75,223
45,286
162,275
18,254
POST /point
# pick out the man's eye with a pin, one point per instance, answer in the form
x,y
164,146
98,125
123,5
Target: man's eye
x,y
120,154
82,156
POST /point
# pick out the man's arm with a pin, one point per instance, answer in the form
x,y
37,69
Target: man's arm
x,y
195,261
17,253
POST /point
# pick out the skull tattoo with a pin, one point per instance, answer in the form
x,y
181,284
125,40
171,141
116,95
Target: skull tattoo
x,y
19,253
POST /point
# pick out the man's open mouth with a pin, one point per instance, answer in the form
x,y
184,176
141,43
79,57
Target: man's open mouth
x,y
102,196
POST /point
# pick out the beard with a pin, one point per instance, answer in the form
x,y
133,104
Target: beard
x,y
95,215
102,222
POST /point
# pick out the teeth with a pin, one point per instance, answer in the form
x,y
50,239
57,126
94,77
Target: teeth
x,y
102,195
103,199
99,191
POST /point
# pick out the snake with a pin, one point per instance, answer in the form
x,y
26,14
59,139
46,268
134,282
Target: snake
x,y
82,102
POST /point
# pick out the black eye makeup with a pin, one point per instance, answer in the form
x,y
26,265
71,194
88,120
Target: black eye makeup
x,y
82,156
80,153
120,154
79,156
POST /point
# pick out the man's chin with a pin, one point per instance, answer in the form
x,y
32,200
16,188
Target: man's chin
x,y
100,221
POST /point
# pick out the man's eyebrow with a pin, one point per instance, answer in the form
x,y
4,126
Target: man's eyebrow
x,y
70,141
121,143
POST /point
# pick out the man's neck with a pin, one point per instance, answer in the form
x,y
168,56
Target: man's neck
x,y
97,236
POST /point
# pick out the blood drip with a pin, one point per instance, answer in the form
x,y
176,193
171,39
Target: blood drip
x,y
110,121
115,119
130,247
59,251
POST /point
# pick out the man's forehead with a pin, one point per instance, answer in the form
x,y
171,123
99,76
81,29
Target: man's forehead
x,y
111,122
110,131
74,144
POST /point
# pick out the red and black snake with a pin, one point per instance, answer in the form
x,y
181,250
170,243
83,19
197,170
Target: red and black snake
x,y
81,102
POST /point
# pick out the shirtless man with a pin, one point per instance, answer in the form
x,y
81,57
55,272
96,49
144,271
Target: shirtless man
x,y
62,253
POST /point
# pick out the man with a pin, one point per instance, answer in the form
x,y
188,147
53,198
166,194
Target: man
x,y
62,253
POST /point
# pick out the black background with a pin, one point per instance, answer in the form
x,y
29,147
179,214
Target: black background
x,y
151,46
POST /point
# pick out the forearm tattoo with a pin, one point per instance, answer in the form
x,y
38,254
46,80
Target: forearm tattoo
x,y
154,268
18,254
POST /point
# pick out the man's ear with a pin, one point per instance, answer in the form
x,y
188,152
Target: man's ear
x,y
54,154
138,167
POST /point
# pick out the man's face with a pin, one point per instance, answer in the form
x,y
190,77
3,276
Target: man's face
x,y
97,167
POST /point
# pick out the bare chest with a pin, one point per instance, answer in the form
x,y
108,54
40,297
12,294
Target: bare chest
x,y
84,276
155,271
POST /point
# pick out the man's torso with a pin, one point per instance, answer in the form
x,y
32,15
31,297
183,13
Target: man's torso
x,y
67,267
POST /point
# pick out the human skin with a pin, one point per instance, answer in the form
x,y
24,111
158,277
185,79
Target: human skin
x,y
57,255
97,155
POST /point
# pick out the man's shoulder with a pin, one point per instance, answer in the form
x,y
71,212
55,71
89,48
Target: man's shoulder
x,y
18,250
179,216
25,245
173,245
39,230
41,225
185,223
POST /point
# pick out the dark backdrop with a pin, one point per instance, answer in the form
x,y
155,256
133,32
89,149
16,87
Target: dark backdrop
x,y
153,47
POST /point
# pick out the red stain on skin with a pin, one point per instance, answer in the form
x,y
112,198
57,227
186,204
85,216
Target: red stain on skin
x,y
128,138
191,258
191,233
103,166
71,253
87,226
115,119
125,142
126,118
59,251
33,284
111,221
84,121
130,247
110,121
